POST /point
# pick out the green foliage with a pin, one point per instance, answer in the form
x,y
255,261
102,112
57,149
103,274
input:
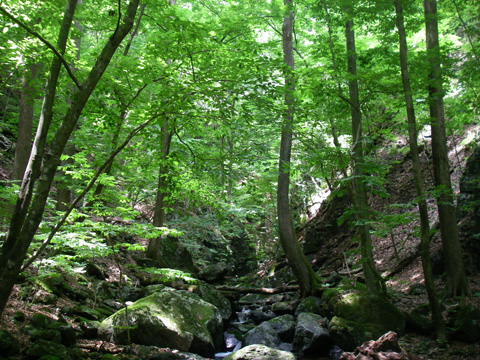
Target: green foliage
x,y
211,75
165,276
8,196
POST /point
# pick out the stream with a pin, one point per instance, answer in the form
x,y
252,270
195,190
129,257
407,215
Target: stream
x,y
246,318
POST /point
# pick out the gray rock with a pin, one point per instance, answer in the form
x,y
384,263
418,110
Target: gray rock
x,y
284,307
263,334
360,316
171,253
284,326
256,352
311,335
175,319
208,293
310,304
214,272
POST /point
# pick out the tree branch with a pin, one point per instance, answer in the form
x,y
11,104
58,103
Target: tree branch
x,y
86,190
43,40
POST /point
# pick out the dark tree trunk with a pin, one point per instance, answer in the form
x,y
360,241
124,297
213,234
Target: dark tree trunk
x,y
28,214
373,279
307,279
456,278
25,123
162,192
417,176
64,193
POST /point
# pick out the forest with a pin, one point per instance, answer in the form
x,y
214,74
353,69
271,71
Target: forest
x,y
288,179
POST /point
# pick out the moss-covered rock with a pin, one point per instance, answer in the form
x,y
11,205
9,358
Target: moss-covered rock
x,y
284,325
41,348
175,319
365,316
263,334
208,293
349,334
255,352
310,304
311,335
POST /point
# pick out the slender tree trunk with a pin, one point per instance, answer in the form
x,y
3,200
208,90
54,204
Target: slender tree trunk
x,y
456,278
162,188
417,176
373,279
25,123
304,273
64,194
28,214
159,215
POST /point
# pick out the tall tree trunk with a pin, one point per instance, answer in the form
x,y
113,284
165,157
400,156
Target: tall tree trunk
x,y
373,279
162,192
25,123
162,188
456,278
159,215
417,176
29,213
304,273
64,194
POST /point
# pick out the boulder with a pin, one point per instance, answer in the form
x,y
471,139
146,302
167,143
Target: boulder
x,y
214,272
175,319
208,293
284,326
311,335
385,348
42,348
469,208
256,352
284,307
42,327
310,304
171,253
263,334
360,317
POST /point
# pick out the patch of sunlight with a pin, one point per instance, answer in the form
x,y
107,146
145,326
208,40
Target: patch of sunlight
x,y
170,323
417,276
349,298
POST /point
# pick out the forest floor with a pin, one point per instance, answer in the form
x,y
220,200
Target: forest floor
x,y
405,284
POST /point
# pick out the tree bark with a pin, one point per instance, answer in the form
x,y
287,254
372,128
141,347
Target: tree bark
x,y
373,279
307,279
64,193
162,191
456,278
28,214
25,123
417,176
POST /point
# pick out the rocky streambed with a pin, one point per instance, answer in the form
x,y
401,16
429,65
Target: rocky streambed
x,y
180,317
